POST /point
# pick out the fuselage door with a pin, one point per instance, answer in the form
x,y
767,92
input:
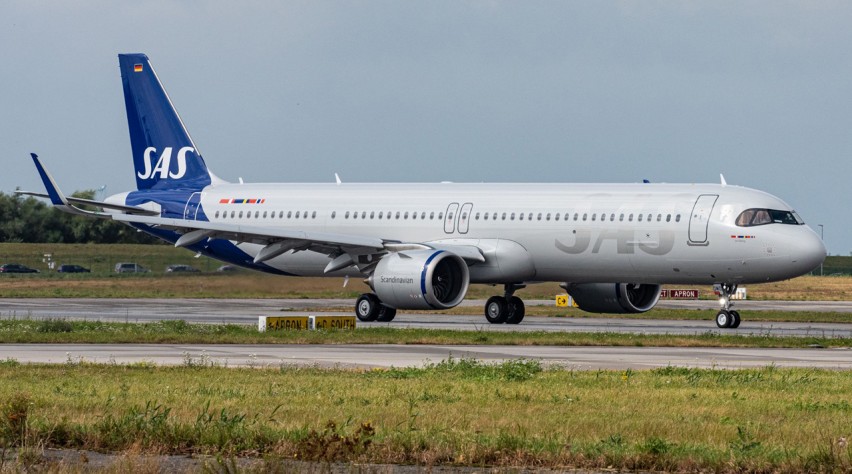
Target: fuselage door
x,y
700,218
464,217
450,218
191,209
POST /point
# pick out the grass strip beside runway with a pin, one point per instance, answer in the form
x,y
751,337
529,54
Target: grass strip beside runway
x,y
60,331
458,412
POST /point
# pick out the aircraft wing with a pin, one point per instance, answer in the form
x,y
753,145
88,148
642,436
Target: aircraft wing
x,y
89,202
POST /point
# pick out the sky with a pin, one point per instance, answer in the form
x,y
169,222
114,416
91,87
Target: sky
x,y
428,91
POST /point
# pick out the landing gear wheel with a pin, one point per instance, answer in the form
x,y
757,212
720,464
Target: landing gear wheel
x,y
496,310
386,314
735,319
516,310
723,319
367,307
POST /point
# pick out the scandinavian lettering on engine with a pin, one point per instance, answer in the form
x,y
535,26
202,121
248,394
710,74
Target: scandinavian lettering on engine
x,y
397,280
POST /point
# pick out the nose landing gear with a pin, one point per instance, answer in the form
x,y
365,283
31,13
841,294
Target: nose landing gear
x,y
727,318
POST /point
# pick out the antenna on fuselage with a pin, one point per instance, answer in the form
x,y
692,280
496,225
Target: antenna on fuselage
x,y
337,178
722,177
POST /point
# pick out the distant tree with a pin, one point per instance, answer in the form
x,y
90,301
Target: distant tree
x,y
31,220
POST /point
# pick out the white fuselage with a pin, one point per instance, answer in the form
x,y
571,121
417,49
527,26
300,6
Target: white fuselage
x,y
640,233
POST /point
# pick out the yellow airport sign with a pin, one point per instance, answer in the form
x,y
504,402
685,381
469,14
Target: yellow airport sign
x,y
286,323
562,301
332,322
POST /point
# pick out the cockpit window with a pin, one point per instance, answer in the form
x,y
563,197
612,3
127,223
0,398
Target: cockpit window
x,y
753,217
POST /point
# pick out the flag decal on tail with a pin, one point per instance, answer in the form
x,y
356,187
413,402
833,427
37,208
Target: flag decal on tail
x,y
137,68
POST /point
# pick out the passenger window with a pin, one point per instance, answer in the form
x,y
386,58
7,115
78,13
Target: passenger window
x,y
440,216
494,217
450,216
504,216
345,216
333,214
584,217
380,214
264,214
630,218
659,217
521,216
640,218
217,214
649,217
512,217
423,215
372,214
576,216
314,215
547,217
431,215
677,218
464,216
397,214
593,217
232,214
556,216
290,214
668,217
414,215
484,216
241,214
280,214
612,217
405,216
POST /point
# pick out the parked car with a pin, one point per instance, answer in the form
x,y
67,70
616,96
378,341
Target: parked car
x,y
129,267
72,269
181,269
16,268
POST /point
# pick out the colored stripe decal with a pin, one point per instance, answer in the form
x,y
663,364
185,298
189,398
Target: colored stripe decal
x,y
423,277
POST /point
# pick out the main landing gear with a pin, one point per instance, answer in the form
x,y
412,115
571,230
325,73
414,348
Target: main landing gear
x,y
370,308
507,309
726,317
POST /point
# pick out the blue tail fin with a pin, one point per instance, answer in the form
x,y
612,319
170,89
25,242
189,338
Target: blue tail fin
x,y
164,155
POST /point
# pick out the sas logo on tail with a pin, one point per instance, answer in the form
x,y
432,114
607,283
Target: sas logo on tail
x,y
162,170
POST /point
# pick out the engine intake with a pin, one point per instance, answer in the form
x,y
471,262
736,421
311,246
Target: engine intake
x,y
421,279
615,298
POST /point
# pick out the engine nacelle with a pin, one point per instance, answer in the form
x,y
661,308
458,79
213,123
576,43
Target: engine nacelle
x,y
421,279
616,298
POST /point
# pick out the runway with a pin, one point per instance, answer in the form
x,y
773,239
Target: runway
x,y
384,355
368,356
238,311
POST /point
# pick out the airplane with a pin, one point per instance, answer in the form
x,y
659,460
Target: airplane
x,y
420,246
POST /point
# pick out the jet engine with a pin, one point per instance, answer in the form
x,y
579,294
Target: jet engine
x,y
616,298
421,279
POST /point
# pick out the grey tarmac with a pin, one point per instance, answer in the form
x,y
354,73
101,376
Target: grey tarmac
x,y
389,355
242,311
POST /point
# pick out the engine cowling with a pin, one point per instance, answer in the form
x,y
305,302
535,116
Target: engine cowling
x,y
421,279
616,298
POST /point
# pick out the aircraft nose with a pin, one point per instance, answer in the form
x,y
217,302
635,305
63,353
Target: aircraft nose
x,y
809,251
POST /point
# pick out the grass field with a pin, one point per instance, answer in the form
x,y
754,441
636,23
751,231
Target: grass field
x,y
456,413
179,332
104,283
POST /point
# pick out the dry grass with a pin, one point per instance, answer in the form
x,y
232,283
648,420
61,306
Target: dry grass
x,y
455,413
256,285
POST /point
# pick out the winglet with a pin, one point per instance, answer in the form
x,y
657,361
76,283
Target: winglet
x,y
56,196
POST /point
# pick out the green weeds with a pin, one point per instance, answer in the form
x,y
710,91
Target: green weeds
x,y
456,412
181,332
